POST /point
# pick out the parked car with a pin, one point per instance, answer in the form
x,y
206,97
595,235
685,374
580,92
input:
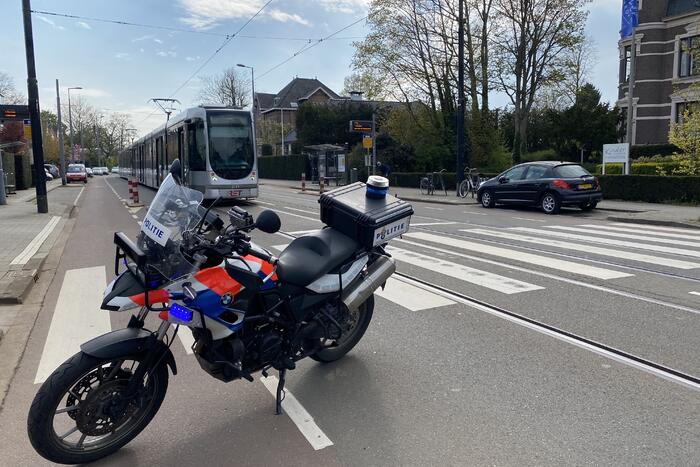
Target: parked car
x,y
52,169
115,170
89,171
49,177
547,184
76,173
105,170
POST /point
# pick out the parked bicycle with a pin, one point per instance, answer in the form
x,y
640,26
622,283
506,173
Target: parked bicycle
x,y
471,182
431,181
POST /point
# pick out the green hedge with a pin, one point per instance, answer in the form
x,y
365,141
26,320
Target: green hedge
x,y
283,167
638,168
651,188
649,150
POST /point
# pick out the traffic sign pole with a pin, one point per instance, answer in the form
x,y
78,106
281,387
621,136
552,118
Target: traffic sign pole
x,y
34,114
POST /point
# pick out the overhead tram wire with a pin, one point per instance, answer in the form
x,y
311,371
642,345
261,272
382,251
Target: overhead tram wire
x,y
311,45
228,39
185,30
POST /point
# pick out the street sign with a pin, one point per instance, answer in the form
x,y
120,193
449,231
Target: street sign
x,y
367,142
14,113
617,153
361,126
27,130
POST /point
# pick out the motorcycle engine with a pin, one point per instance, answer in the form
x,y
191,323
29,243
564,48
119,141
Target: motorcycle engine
x,y
330,322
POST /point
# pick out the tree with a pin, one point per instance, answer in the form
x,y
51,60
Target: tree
x,y
230,88
8,92
368,83
685,134
530,48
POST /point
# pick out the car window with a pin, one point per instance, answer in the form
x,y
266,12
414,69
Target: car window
x,y
571,171
516,173
536,172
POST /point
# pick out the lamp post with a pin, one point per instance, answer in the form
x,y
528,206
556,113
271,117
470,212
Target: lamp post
x,y
70,124
252,85
61,153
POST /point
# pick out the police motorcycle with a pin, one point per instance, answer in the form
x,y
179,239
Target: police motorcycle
x,y
248,310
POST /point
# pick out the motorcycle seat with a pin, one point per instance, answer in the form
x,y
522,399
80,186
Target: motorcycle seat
x,y
309,257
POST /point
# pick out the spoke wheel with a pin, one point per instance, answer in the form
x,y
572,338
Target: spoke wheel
x,y
424,186
82,412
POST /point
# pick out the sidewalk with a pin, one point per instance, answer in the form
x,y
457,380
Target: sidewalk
x,y
617,211
26,237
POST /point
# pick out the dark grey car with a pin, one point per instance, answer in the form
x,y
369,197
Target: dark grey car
x,y
547,184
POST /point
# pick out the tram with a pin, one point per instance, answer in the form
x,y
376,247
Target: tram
x,y
216,146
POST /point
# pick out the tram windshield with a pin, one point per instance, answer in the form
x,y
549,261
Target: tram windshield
x,y
231,152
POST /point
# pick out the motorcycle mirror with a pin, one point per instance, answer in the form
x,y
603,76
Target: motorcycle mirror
x,y
176,171
268,221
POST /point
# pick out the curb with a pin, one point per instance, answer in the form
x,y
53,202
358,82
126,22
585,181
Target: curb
x,y
632,220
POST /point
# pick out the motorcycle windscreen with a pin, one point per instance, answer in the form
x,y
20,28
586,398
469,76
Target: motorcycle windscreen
x,y
174,211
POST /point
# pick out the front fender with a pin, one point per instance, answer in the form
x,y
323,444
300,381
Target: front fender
x,y
127,341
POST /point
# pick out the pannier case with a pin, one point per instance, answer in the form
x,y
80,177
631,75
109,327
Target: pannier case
x,y
369,221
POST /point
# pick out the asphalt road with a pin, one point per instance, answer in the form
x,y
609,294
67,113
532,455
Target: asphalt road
x,y
436,380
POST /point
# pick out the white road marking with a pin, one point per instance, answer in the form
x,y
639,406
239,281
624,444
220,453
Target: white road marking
x,y
134,216
265,203
280,247
422,224
608,241
641,231
545,261
186,338
561,337
114,191
695,244
528,219
558,278
76,319
301,418
592,249
31,249
410,296
434,209
679,230
464,273
77,198
475,213
315,213
139,223
303,232
694,293
297,215
134,210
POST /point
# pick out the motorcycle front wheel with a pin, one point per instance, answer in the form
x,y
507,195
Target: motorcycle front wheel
x,y
80,413
360,319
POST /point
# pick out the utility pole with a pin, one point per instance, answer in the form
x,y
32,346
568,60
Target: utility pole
x,y
61,152
80,153
42,204
282,126
70,125
630,93
167,105
460,98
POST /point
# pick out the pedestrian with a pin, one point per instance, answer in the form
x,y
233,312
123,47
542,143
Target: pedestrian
x,y
383,169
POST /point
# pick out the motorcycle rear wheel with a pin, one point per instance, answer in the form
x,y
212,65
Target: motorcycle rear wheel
x,y
349,340
81,396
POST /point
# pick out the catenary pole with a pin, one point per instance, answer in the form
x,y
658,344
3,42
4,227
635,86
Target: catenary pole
x,y
460,97
42,204
61,152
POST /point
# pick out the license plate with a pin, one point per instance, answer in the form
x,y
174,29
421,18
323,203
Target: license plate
x,y
585,186
234,193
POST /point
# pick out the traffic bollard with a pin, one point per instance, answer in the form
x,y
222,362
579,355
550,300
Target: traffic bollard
x,y
303,181
136,192
320,185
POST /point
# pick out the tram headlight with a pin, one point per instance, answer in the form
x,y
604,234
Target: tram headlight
x,y
213,177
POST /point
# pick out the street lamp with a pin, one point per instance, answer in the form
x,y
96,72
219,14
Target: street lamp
x,y
70,123
252,84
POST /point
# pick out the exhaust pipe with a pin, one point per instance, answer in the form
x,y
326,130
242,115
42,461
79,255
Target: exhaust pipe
x,y
377,274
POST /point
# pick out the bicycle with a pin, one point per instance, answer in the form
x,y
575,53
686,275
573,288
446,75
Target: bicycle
x,y
428,183
471,182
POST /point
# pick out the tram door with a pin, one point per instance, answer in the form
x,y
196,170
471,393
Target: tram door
x,y
181,155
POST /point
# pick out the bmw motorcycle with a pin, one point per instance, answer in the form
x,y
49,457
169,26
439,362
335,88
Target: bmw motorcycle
x,y
248,311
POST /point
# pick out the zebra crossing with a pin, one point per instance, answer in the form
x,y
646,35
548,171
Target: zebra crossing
x,y
77,316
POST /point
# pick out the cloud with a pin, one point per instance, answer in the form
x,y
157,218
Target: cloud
x,y
53,24
142,38
205,14
344,6
121,55
169,53
157,40
141,50
84,25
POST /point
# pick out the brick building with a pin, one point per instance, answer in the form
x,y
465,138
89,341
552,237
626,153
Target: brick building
x,y
667,64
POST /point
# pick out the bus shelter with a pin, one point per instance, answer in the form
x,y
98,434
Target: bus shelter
x,y
327,161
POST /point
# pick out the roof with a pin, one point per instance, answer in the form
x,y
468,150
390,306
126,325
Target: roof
x,y
264,99
680,7
549,163
298,88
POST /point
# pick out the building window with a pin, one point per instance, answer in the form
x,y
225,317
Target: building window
x,y
684,109
688,64
628,58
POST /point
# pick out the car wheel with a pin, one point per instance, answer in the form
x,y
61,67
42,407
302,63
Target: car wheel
x,y
588,206
487,200
550,203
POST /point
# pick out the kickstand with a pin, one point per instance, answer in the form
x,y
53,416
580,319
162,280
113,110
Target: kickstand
x,y
280,392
